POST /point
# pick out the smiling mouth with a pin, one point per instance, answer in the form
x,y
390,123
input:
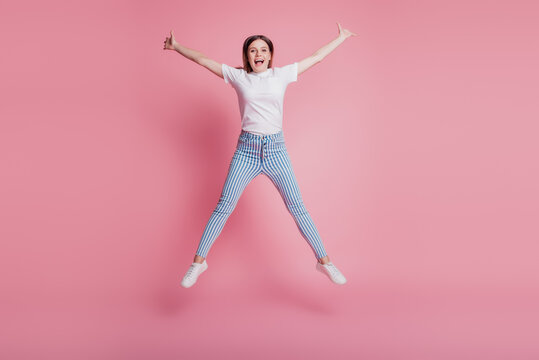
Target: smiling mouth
x,y
259,62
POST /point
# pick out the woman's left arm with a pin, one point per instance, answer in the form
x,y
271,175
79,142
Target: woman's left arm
x,y
324,50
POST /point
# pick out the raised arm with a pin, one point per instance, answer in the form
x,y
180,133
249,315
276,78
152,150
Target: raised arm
x,y
196,56
325,50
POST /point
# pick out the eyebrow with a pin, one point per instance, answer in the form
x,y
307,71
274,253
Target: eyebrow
x,y
263,47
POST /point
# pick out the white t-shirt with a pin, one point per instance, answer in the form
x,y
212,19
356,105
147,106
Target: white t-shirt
x,y
261,96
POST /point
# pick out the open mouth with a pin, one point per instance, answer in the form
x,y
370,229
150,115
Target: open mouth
x,y
259,62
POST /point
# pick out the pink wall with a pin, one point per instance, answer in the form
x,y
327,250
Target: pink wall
x,y
414,144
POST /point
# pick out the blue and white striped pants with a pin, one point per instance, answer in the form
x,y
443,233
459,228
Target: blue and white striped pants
x,y
254,155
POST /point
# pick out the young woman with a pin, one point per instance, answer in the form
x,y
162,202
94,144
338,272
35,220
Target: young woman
x,y
261,148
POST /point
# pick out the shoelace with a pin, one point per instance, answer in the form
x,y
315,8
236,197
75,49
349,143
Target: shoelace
x,y
333,270
191,271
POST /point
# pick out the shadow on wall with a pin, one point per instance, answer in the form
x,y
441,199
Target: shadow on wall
x,y
205,143
204,140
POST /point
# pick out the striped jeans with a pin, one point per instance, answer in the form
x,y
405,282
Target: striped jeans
x,y
254,155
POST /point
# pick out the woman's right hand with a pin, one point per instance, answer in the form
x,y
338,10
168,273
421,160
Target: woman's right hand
x,y
170,42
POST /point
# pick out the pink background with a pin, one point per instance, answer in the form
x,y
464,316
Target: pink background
x,y
414,144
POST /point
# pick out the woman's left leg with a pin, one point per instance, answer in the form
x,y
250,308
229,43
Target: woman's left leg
x,y
279,169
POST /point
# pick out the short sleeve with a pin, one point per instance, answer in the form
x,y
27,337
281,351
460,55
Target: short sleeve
x,y
289,73
230,74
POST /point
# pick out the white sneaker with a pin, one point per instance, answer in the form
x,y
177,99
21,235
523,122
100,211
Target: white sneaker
x,y
332,272
192,273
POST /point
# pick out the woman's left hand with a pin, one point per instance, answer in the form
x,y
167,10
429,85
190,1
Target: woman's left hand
x,y
345,33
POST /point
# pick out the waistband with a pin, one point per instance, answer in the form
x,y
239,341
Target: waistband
x,y
277,136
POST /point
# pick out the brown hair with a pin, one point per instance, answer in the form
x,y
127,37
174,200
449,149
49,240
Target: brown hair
x,y
246,66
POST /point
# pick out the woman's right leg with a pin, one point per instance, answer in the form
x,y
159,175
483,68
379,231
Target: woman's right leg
x,y
244,167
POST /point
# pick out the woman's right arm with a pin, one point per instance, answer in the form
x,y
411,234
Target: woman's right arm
x,y
191,54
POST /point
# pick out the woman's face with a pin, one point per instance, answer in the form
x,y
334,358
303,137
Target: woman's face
x,y
259,55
